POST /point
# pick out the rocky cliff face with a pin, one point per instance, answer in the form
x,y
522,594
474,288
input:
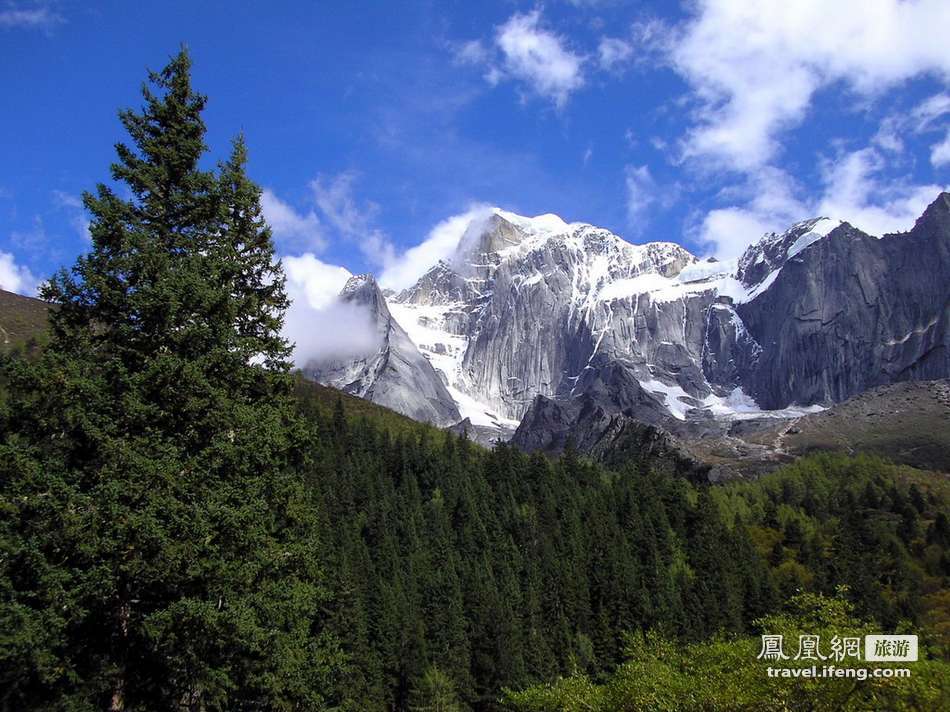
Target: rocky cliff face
x,y
852,312
521,311
392,372
531,314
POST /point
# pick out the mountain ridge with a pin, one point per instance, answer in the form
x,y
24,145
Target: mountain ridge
x,y
538,307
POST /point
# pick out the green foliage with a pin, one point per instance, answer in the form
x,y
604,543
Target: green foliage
x,y
505,569
435,692
157,549
723,673
832,520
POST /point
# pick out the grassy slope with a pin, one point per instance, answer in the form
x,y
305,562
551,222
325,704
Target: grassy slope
x,y
907,423
21,319
324,398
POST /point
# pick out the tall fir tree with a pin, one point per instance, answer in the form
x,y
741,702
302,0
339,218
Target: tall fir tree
x,y
157,550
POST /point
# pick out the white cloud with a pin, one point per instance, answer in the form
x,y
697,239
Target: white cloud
x,y
755,67
16,278
854,188
494,76
613,53
940,152
856,191
354,220
335,198
317,322
472,52
770,205
66,200
320,326
440,244
337,210
589,3
288,224
33,239
351,218
731,230
925,118
533,55
931,109
539,57
888,135
39,16
316,281
641,193
922,119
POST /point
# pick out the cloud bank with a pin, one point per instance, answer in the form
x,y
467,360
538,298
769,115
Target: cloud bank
x,y
321,327
37,16
755,67
439,244
854,188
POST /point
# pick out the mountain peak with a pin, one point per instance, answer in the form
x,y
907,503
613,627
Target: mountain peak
x,y
937,216
539,225
358,282
773,249
363,290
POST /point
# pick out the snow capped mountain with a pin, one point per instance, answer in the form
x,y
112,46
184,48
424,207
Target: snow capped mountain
x,y
525,304
529,308
507,273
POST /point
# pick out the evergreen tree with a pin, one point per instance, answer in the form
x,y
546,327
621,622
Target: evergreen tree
x,y
434,692
158,551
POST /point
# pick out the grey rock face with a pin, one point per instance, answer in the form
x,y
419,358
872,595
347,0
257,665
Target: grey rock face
x,y
527,302
852,312
616,438
393,373
729,350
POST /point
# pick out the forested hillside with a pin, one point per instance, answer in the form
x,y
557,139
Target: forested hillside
x,y
493,569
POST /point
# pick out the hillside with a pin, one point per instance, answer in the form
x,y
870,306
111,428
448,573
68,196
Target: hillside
x,y
22,320
313,398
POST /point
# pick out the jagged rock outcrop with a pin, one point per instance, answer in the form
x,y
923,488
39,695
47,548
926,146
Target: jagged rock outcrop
x,y
392,372
729,350
616,438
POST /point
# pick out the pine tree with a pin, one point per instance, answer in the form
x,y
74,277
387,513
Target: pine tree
x,y
434,692
157,550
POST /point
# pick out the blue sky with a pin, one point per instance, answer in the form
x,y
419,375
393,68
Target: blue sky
x,y
372,124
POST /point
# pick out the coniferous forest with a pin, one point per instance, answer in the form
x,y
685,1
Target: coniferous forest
x,y
188,525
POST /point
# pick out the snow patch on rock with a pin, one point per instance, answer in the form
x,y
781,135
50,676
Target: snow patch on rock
x,y
819,230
